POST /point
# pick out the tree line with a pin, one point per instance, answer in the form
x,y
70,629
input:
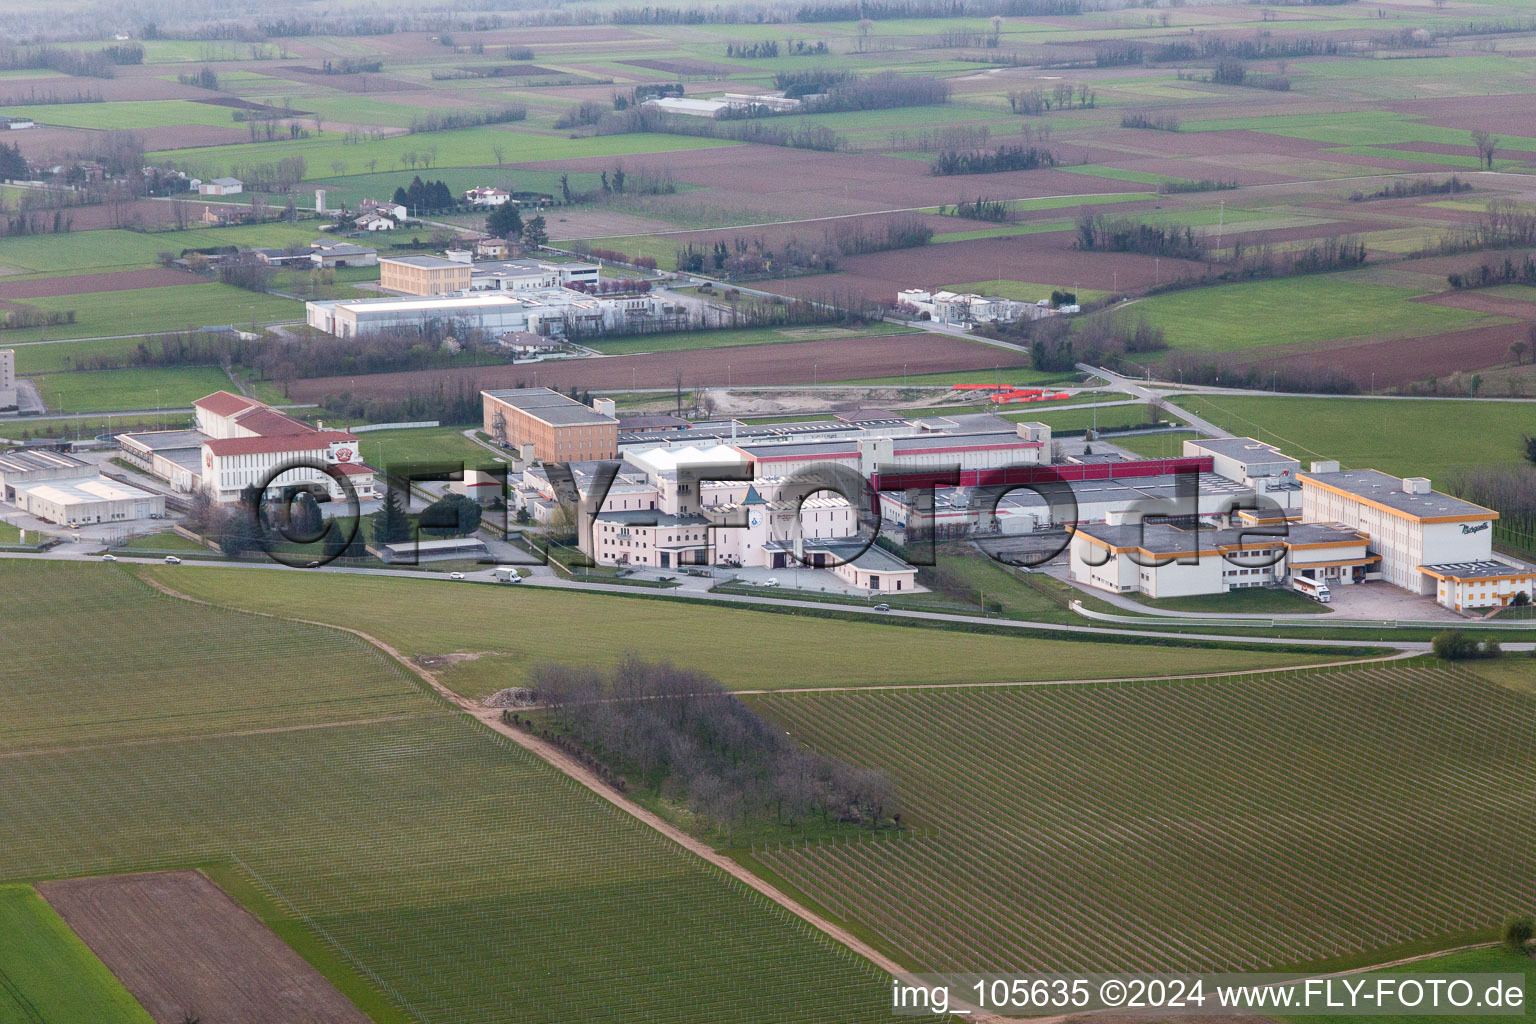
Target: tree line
x,y
1003,158
680,734
1122,234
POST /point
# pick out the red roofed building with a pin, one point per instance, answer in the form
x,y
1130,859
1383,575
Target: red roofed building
x,y
240,442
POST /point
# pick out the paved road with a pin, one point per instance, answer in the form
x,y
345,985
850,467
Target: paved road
x,y
1147,393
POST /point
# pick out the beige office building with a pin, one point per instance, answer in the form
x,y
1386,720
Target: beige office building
x,y
423,275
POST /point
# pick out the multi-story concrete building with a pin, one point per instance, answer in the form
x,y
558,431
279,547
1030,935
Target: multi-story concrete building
x,y
1430,543
423,275
549,426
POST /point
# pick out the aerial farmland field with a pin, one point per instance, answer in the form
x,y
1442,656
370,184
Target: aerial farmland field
x,y
719,760
1166,857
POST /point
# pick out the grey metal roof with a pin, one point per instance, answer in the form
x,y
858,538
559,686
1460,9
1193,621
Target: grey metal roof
x,y
1173,539
1374,485
31,461
168,440
550,406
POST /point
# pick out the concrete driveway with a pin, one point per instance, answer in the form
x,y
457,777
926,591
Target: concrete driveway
x,y
1379,600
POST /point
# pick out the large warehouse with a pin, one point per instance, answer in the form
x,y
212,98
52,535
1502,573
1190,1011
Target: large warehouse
x,y
83,501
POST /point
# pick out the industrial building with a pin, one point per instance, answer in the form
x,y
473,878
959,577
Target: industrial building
x,y
83,501
59,488
423,275
7,378
239,442
555,312
520,275
546,425
1165,559
1430,543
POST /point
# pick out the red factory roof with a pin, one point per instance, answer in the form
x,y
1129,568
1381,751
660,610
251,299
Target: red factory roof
x,y
223,403
270,423
310,442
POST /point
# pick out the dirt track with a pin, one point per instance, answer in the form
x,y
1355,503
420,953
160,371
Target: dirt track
x,y
183,947
797,362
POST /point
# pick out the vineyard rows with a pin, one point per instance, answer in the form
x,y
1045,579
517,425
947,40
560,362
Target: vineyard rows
x,y
1244,823
465,877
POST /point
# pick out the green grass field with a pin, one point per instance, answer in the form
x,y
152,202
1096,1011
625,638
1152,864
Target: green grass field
x,y
131,389
1492,960
469,147
1242,317
315,779
138,114
1135,827
154,310
1404,437
728,338
1155,446
1086,417
48,971
1257,601
384,448
9,533
106,250
430,618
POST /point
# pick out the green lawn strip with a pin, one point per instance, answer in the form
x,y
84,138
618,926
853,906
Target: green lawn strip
x,y
466,147
1004,374
1403,437
1256,600
127,115
110,249
136,389
1488,960
1086,417
1004,231
1352,128
1243,317
732,338
66,355
815,650
1024,291
384,448
1119,174
48,966
1155,446
155,310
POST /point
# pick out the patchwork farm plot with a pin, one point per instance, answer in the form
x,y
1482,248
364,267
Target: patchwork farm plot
x,y
355,837
1237,824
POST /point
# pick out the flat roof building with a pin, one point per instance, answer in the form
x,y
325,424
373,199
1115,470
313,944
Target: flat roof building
x,y
560,429
423,275
81,501
1163,559
1410,524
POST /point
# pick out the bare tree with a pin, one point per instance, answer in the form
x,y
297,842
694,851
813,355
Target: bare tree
x,y
1487,145
498,152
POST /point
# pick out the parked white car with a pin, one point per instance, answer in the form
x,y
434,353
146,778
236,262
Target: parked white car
x,y
771,581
